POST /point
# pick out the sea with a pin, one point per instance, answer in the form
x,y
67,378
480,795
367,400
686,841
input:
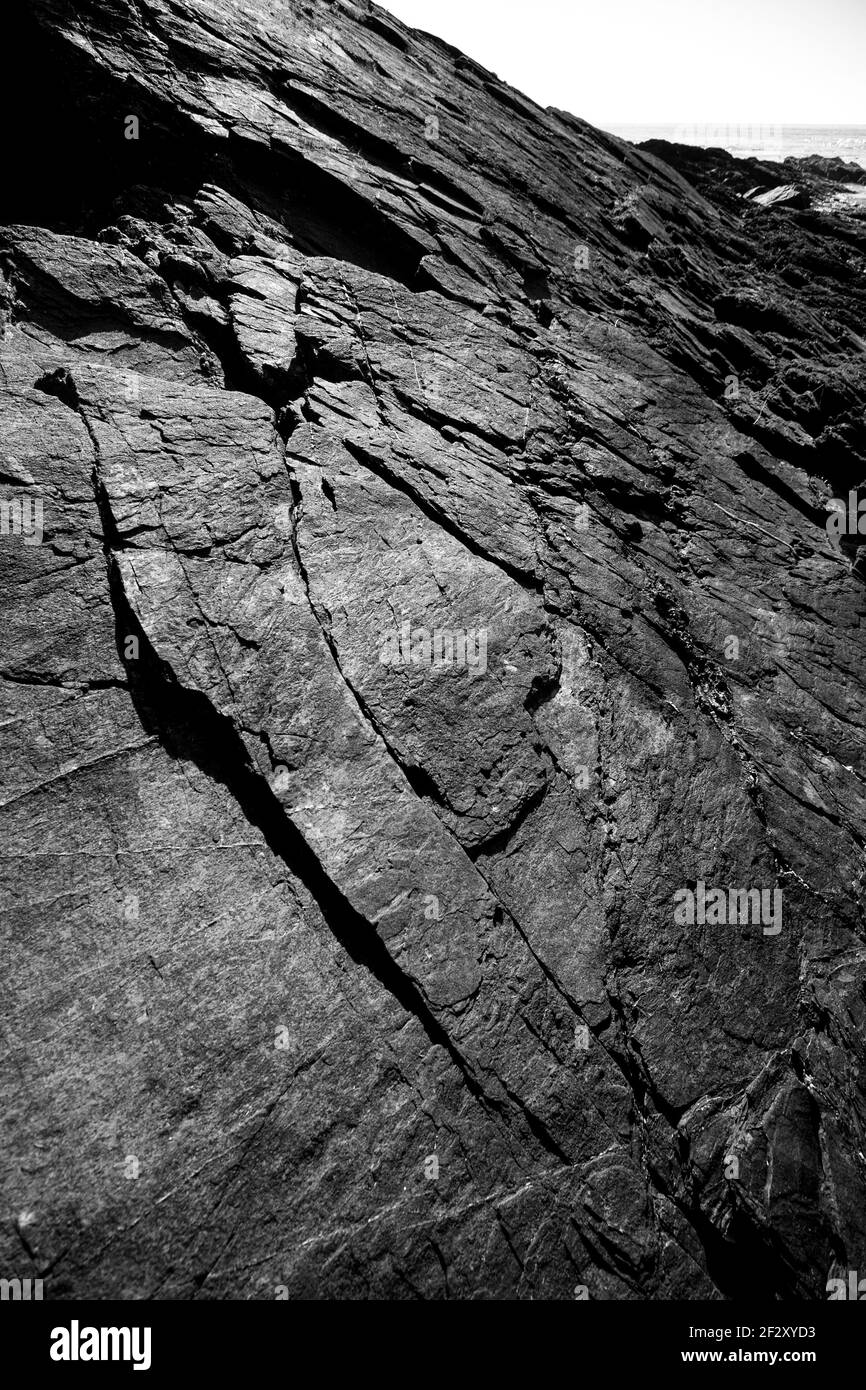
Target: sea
x,y
774,142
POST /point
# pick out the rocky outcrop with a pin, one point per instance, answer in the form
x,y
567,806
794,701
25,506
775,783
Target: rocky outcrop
x,y
419,585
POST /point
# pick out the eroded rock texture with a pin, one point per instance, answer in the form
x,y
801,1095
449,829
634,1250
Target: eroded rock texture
x,y
332,974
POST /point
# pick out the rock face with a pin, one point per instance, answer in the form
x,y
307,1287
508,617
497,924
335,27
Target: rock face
x,y
787,195
418,599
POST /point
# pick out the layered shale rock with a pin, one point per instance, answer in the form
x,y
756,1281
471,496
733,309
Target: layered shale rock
x,y
416,579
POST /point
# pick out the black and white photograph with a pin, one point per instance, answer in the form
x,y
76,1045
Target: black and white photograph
x,y
432,683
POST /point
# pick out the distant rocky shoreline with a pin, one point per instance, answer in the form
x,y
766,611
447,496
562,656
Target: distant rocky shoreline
x,y
802,182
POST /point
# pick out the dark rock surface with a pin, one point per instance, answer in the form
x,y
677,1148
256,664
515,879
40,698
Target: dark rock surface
x,y
333,973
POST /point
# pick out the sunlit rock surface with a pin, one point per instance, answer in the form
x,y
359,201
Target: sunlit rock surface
x,y
432,583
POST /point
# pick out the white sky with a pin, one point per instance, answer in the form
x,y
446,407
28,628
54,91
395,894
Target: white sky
x,y
615,62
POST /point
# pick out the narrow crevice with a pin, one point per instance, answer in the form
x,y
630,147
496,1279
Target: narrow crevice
x,y
190,729
72,686
609,1257
439,419
418,778
277,389
634,1070
527,579
759,474
498,843
538,1128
